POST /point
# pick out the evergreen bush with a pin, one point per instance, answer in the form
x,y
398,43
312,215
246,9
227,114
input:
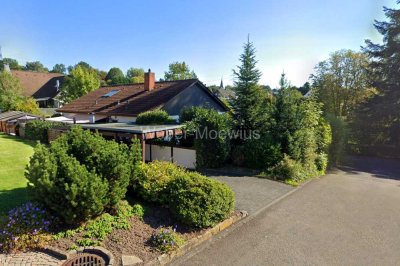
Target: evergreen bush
x,y
154,117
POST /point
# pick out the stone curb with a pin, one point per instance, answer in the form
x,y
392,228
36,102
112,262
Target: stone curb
x,y
166,258
66,255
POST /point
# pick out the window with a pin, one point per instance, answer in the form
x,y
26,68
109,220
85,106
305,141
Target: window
x,y
109,94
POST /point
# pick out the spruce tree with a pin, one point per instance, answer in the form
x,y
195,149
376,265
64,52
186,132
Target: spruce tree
x,y
252,106
377,122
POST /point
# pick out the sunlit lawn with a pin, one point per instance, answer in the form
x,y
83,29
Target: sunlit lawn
x,y
14,155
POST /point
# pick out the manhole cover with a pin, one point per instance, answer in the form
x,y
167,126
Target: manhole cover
x,y
85,259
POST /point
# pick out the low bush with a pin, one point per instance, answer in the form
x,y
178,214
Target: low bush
x,y
167,239
193,199
152,180
38,129
200,201
27,227
81,174
321,162
155,117
95,231
288,170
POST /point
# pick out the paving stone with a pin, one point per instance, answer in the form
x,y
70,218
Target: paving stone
x,y
128,260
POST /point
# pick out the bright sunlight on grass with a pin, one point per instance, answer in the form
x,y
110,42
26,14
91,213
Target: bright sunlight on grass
x,y
14,155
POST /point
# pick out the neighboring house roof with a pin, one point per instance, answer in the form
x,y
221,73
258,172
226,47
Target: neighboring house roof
x,y
131,99
13,115
226,93
39,85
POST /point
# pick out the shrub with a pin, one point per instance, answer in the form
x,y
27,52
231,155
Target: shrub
x,y
166,239
339,139
81,174
95,231
321,162
155,117
288,169
38,130
200,201
27,227
212,132
261,153
153,180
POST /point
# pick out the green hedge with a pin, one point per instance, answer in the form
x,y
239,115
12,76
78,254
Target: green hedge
x,y
81,174
155,117
152,180
194,199
38,129
200,201
211,130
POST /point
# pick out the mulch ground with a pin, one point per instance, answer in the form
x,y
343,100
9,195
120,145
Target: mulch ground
x,y
136,240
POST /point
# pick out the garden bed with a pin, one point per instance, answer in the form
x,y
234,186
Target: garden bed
x,y
137,239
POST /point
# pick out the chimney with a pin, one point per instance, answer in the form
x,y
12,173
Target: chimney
x,y
149,81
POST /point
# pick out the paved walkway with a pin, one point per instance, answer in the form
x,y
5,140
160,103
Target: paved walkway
x,y
252,193
349,217
29,259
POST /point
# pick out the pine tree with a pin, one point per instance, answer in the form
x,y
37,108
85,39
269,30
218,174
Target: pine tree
x,y
377,121
252,106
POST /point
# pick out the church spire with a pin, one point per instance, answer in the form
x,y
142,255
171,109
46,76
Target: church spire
x,y
221,86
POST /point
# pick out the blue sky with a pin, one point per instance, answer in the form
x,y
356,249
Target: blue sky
x,y
290,35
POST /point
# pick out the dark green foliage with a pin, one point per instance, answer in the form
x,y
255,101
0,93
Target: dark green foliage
x,y
212,130
35,66
251,106
38,129
261,153
65,186
59,68
155,117
81,174
376,126
194,199
339,139
116,76
12,63
200,201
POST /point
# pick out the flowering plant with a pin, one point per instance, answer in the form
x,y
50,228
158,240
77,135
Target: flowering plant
x,y
27,226
167,239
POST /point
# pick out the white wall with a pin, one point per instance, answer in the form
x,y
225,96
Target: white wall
x,y
124,119
182,157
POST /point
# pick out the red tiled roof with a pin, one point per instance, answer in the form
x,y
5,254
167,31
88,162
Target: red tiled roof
x,y
130,100
38,84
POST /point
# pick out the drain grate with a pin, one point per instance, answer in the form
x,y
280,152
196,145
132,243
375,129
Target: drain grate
x,y
85,259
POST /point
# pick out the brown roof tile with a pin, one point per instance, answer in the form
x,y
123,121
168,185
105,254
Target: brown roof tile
x,y
130,100
38,84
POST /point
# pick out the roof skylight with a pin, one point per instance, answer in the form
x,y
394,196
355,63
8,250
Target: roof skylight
x,y
109,94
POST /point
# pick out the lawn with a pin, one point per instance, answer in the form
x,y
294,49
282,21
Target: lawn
x,y
14,155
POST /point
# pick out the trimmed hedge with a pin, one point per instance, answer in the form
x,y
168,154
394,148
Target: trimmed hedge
x,y
81,174
38,129
152,180
193,199
200,201
155,117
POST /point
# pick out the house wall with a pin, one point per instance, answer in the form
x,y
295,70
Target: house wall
x,y
82,116
124,119
181,156
192,96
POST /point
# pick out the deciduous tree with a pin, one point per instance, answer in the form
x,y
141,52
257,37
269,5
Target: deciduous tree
x,y
80,82
179,71
135,75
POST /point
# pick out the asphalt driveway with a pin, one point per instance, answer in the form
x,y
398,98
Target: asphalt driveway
x,y
252,193
348,217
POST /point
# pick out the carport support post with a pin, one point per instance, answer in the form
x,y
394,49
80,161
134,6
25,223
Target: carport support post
x,y
143,142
